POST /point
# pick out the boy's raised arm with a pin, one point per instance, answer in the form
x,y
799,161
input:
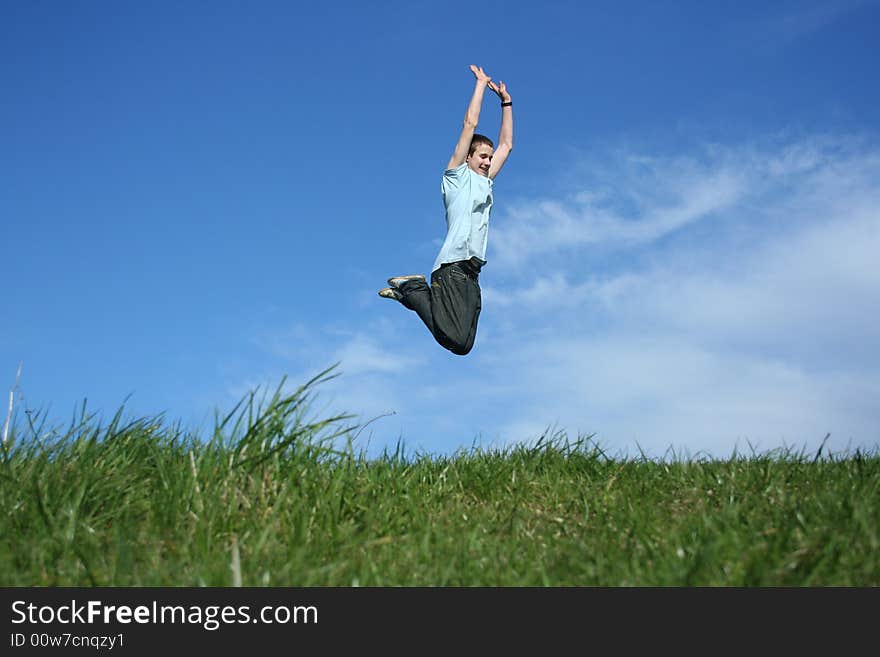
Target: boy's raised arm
x,y
471,118
505,138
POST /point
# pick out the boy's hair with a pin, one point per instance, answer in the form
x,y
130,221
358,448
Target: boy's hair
x,y
476,140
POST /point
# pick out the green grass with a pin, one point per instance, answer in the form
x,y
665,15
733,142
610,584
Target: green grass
x,y
271,500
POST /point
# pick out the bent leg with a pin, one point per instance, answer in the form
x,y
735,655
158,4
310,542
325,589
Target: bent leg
x,y
450,308
417,297
456,303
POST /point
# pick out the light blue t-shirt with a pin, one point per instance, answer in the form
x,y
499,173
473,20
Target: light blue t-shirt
x,y
468,200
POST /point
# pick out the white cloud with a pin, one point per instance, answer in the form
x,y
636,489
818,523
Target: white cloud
x,y
631,200
363,355
662,197
664,392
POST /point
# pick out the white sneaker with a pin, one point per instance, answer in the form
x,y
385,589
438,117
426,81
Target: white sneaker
x,y
397,281
391,293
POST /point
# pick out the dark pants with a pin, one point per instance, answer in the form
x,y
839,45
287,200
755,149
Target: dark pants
x,y
451,307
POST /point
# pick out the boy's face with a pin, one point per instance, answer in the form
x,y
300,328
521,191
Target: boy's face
x,y
480,159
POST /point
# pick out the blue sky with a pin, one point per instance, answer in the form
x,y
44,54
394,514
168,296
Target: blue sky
x,y
198,199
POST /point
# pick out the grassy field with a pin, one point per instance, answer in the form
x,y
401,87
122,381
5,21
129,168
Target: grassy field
x,y
271,500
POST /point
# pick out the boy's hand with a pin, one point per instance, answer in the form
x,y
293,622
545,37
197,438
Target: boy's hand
x,y
501,90
480,74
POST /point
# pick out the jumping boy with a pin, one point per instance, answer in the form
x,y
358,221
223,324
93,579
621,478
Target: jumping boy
x,y
450,307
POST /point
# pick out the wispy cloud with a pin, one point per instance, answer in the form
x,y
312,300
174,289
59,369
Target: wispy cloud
x,y
362,354
660,198
632,200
